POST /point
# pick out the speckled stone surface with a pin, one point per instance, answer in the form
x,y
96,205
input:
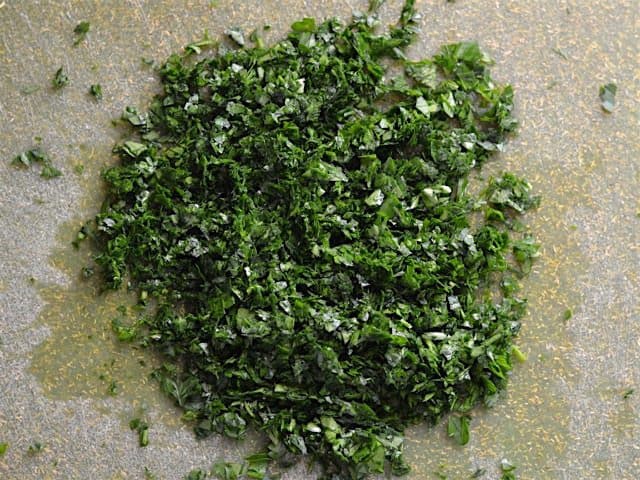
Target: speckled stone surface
x,y
564,415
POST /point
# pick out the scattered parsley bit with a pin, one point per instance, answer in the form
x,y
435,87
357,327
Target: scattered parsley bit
x,y
35,448
196,475
60,79
112,389
458,429
628,393
525,251
507,470
560,53
49,171
81,31
196,47
148,474
96,91
510,192
517,354
237,36
3,448
608,96
568,313
142,428
253,466
256,39
37,156
312,255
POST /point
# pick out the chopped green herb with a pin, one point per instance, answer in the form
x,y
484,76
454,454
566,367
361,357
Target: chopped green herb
x,y
81,31
196,475
568,313
49,171
525,251
35,448
237,36
510,192
148,474
196,47
3,448
458,429
112,390
96,91
300,219
142,428
560,53
507,470
123,332
227,470
517,354
628,393
37,156
256,39
60,79
608,96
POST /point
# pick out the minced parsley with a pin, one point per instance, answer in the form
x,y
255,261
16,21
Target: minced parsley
x,y
300,218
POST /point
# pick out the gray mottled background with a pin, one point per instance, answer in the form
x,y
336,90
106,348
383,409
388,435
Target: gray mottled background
x,y
564,415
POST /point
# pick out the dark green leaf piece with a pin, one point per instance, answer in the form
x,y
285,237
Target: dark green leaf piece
x,y
37,156
510,192
300,220
458,429
196,475
508,470
35,448
142,428
608,96
237,36
60,79
81,31
96,91
148,474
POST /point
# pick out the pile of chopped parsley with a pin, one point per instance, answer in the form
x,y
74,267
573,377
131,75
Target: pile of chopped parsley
x,y
299,219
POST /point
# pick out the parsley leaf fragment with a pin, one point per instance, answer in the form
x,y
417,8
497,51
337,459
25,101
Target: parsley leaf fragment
x,y
60,79
458,429
142,428
81,31
37,156
96,91
608,97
